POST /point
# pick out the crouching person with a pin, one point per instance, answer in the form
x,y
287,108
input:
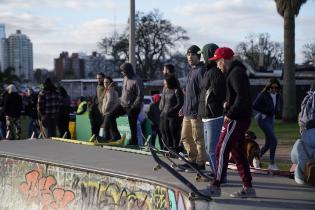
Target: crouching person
x,y
303,150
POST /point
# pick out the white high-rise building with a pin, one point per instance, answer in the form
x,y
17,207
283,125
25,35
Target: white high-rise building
x,y
21,54
3,48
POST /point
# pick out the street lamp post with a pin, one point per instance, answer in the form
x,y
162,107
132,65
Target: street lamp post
x,y
132,58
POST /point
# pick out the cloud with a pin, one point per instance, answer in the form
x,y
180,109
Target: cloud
x,y
96,29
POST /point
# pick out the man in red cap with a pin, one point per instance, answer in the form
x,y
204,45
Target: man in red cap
x,y
237,117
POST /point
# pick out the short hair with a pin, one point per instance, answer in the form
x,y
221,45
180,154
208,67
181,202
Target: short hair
x,y
170,67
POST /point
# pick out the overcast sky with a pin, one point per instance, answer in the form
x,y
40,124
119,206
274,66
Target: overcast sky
x,y
77,25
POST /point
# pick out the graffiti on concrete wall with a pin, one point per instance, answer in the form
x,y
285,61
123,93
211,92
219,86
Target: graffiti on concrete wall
x,y
30,185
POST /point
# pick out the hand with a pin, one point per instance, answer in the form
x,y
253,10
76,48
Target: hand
x,y
180,113
226,119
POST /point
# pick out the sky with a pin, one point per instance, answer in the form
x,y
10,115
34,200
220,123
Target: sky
x,y
78,25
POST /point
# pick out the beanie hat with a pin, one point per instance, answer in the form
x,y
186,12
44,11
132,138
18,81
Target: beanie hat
x,y
194,49
208,51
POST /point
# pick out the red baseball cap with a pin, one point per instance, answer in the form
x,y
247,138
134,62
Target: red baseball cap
x,y
222,52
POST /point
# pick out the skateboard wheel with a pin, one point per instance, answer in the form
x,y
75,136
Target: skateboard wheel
x,y
173,165
191,196
157,168
198,177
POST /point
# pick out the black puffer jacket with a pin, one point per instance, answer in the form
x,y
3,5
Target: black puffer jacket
x,y
212,93
238,106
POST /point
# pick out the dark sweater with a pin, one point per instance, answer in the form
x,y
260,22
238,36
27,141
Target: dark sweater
x,y
238,98
12,105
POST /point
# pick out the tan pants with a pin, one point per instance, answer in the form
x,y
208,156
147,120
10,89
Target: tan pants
x,y
192,138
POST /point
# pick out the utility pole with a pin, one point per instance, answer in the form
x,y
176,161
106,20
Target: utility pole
x,y
132,44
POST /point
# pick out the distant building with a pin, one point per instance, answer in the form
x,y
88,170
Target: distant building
x,y
17,51
3,48
96,62
69,67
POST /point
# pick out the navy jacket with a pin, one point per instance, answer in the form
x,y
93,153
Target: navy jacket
x,y
264,104
192,91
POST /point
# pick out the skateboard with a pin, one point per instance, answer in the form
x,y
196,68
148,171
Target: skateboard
x,y
263,171
195,194
201,176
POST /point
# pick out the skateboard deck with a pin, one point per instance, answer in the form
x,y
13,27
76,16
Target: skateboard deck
x,y
195,193
201,176
263,171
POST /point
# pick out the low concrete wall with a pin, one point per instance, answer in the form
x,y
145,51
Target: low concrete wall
x,y
29,185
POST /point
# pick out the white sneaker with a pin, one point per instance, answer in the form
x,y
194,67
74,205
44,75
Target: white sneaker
x,y
273,167
256,163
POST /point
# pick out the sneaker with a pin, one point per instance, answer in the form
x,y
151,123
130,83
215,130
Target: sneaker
x,y
273,167
256,163
246,192
215,191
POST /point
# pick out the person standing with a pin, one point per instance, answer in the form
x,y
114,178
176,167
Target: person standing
x,y
131,100
237,118
211,101
171,102
48,107
110,100
192,128
267,104
99,95
64,114
154,115
31,112
12,110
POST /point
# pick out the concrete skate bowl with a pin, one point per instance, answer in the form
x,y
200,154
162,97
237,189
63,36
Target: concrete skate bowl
x,y
28,184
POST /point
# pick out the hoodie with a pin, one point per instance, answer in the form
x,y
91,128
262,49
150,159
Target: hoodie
x,y
238,100
298,154
132,89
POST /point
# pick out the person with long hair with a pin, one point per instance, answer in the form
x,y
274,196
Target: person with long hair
x,y
110,100
171,102
267,104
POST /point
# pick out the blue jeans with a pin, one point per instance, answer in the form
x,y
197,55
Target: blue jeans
x,y
271,142
212,130
32,127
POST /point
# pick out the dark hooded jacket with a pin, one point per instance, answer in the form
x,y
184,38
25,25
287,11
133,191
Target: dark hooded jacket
x,y
238,98
132,90
212,93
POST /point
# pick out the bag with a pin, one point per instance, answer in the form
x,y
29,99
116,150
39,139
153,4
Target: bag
x,y
307,108
309,170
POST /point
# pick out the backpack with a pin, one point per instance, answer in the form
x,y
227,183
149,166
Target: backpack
x,y
309,170
307,108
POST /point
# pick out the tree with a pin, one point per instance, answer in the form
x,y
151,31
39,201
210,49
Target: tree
x,y
155,37
8,76
309,52
260,52
288,9
38,76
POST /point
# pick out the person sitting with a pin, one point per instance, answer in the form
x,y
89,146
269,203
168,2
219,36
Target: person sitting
x,y
298,153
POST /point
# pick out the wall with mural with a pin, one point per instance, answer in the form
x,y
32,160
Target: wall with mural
x,y
27,185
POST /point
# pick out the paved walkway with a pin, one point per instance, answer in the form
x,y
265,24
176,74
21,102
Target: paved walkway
x,y
272,192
